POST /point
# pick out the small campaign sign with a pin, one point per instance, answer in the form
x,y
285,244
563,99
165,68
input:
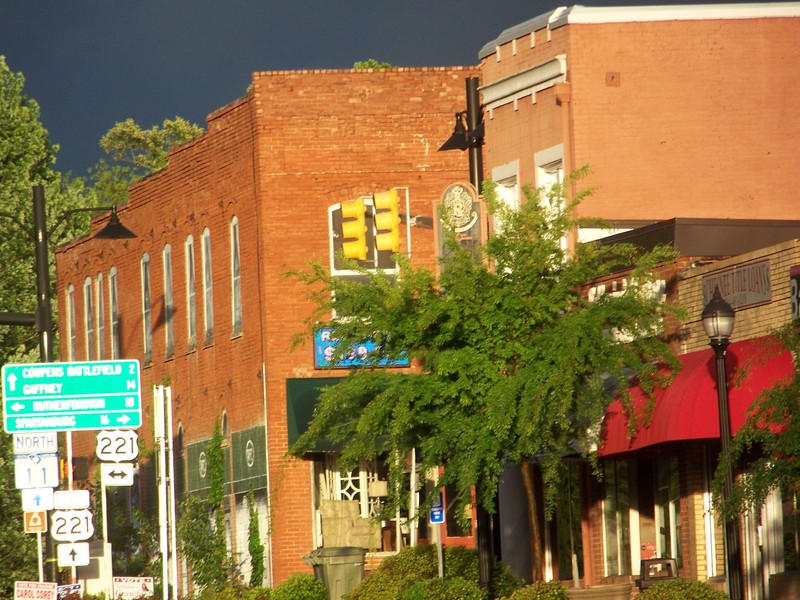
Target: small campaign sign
x,y
67,590
133,587
35,590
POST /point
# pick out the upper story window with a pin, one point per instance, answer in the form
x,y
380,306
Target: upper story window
x,y
191,303
507,190
208,292
147,310
101,317
236,279
72,347
88,317
113,302
169,307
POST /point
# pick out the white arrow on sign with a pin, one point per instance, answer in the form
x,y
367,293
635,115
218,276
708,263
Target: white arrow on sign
x,y
16,407
118,474
73,555
71,525
12,382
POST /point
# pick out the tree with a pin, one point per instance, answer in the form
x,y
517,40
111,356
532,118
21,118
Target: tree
x,y
136,153
201,526
768,443
512,362
371,63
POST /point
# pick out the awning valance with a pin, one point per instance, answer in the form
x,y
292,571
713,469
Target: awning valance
x,y
301,398
688,408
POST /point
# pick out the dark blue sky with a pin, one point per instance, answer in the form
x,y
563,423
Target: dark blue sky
x,y
91,63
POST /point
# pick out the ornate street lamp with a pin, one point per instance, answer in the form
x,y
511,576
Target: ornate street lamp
x,y
718,318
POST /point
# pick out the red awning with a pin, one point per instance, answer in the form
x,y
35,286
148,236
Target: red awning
x,y
688,408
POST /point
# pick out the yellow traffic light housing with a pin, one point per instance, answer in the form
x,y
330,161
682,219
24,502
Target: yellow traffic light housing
x,y
387,221
354,229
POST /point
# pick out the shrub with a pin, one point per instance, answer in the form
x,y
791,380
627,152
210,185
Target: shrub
x,y
551,590
399,572
300,586
681,589
456,588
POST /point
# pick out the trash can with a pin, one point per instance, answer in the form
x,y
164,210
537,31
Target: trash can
x,y
339,568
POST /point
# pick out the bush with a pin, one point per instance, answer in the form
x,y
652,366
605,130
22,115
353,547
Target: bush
x,y
300,586
681,589
551,590
399,572
456,588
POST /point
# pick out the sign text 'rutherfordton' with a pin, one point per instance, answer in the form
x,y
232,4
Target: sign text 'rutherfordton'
x,y
71,396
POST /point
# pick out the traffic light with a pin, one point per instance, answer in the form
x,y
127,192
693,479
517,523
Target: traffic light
x,y
354,229
387,221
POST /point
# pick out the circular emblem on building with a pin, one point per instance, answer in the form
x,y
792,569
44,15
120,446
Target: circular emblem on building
x,y
250,453
203,465
458,200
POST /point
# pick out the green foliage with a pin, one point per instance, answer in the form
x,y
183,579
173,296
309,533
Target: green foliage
x,y
398,573
513,360
254,545
456,588
201,528
551,590
769,441
681,589
371,63
136,153
17,549
300,586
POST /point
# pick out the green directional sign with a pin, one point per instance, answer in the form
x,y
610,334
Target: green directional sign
x,y
72,396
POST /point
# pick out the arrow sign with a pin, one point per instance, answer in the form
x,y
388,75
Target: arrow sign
x,y
35,499
118,474
73,555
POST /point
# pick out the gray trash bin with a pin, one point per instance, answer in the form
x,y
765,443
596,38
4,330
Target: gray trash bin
x,y
340,568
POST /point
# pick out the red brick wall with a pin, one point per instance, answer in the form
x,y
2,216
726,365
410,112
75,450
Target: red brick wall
x,y
698,122
276,159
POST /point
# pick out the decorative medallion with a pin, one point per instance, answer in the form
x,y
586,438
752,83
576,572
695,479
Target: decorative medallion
x,y
458,200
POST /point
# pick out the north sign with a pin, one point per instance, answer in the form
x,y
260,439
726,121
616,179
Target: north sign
x,y
72,396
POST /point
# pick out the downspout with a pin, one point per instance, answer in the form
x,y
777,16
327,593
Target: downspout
x,y
260,296
564,100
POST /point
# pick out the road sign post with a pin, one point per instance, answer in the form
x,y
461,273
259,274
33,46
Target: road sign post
x,y
71,396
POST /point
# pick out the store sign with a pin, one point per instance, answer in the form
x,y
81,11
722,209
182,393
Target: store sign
x,y
742,286
359,355
794,291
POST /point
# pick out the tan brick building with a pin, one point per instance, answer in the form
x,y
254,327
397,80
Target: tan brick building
x,y
200,297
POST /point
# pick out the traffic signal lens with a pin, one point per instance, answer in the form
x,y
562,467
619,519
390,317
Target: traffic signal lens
x,y
387,220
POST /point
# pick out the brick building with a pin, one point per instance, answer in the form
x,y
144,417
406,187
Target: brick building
x,y
670,107
200,297
679,111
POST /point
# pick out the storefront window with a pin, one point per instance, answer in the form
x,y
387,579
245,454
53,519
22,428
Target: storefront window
x,y
568,524
668,509
616,518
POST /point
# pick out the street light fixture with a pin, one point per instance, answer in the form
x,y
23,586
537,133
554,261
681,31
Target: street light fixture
x,y
718,318
42,319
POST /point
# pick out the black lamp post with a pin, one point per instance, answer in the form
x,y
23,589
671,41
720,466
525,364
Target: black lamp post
x,y
468,135
718,318
42,319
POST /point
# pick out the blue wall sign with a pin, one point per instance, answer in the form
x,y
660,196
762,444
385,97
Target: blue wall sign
x,y
325,347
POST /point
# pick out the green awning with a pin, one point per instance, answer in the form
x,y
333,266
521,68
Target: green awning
x,y
301,399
